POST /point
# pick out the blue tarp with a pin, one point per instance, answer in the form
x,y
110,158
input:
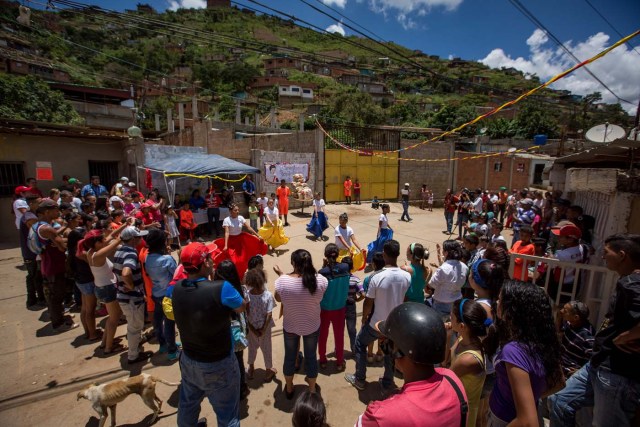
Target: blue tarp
x,y
200,165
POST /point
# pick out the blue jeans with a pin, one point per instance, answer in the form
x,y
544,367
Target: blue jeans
x,y
614,398
366,336
448,216
351,326
217,381
310,347
164,328
405,211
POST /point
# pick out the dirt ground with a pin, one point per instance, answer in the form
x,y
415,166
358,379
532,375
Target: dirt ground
x,y
42,371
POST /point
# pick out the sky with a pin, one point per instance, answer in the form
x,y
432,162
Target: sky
x,y
493,32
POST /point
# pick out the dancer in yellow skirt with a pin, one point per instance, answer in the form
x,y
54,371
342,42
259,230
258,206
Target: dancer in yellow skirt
x,y
272,231
348,244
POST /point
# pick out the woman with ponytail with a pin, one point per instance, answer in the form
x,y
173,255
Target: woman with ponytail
x,y
448,279
96,248
470,321
333,305
420,274
300,293
486,280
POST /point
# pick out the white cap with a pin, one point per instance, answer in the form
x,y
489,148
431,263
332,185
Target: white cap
x,y
130,232
124,178
406,184
132,184
115,199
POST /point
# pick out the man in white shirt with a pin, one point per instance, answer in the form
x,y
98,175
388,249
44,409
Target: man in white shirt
x,y
387,290
477,203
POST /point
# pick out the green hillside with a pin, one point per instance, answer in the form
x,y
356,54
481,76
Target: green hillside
x,y
222,50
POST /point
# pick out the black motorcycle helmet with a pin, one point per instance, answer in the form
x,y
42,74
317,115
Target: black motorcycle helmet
x,y
417,331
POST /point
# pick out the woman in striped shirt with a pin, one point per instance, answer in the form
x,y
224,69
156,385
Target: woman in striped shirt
x,y
300,293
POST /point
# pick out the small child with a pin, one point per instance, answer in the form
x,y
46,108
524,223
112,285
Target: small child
x,y
430,201
273,196
187,223
309,411
253,213
260,321
378,265
375,204
577,337
355,294
262,204
170,221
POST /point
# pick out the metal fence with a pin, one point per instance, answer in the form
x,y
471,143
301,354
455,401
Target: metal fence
x,y
591,284
362,137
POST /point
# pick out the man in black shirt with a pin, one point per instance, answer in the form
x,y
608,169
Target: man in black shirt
x,y
207,363
610,381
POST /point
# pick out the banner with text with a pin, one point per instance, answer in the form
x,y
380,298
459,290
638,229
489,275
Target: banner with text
x,y
274,172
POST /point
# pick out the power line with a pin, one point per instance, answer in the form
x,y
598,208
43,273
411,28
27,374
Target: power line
x,y
536,21
611,25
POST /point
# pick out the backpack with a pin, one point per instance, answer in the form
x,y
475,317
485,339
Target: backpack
x,y
34,242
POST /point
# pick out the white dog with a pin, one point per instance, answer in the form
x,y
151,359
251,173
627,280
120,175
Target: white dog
x,y
108,395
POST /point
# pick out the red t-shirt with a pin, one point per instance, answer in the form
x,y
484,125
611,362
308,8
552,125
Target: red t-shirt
x,y
520,264
431,402
146,219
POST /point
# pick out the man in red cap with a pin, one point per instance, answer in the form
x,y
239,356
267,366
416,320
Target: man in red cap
x,y
208,366
572,251
20,205
145,215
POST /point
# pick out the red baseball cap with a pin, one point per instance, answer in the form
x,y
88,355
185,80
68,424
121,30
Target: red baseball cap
x,y
194,254
568,230
21,189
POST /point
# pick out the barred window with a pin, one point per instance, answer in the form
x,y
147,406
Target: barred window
x,y
11,176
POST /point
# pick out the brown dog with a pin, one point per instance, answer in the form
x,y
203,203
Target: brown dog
x,y
108,395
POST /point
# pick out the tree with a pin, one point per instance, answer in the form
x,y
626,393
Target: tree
x,y
29,98
452,115
501,128
534,119
354,107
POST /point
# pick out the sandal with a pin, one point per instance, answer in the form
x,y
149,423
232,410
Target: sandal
x,y
117,348
271,374
115,341
98,337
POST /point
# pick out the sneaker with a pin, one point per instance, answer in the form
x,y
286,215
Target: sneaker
x,y
142,356
172,356
351,379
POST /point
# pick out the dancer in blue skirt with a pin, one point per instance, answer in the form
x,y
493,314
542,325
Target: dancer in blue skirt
x,y
384,233
319,220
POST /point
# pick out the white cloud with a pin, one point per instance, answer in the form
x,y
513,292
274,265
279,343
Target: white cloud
x,y
406,10
340,3
618,69
336,28
187,4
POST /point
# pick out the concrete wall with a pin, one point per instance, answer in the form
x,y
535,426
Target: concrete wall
x,y
591,179
437,175
261,156
68,156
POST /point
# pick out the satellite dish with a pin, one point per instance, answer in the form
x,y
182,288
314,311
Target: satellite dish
x,y
605,133
634,135
483,131
512,150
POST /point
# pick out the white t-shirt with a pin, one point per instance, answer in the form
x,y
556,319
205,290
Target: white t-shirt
x,y
17,205
234,224
346,234
477,204
272,214
574,254
495,238
385,221
262,201
319,204
388,287
482,229
448,280
539,203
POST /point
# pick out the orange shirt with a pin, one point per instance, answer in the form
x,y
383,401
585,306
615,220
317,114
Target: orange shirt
x,y
283,195
520,264
186,219
347,187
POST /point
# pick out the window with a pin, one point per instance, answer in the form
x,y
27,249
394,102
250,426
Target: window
x,y
497,166
538,169
11,176
284,89
295,89
307,91
107,171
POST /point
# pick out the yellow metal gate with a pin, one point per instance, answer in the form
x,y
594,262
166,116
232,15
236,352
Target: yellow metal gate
x,y
378,176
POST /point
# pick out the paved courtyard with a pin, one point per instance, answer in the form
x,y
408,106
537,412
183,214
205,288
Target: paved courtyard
x,y
43,371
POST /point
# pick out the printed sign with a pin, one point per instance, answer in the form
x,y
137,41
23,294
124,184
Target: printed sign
x,y
274,172
44,171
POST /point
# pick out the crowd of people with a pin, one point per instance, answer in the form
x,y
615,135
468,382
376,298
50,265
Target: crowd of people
x,y
473,344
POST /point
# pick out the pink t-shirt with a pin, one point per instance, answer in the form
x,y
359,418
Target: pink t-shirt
x,y
427,403
301,307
